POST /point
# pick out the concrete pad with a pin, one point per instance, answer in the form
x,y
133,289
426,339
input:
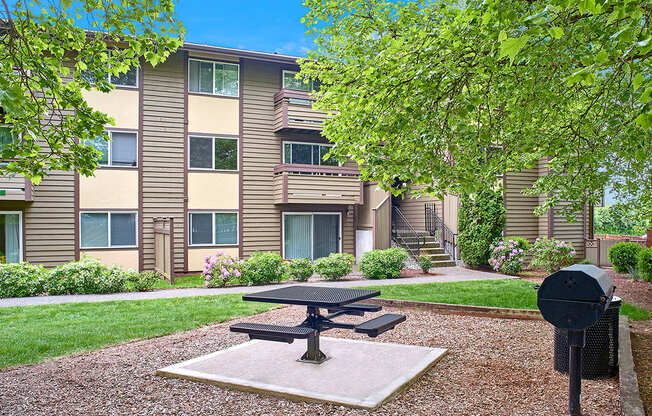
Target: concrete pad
x,y
359,374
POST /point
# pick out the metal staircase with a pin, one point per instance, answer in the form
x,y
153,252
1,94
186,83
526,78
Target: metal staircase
x,y
418,243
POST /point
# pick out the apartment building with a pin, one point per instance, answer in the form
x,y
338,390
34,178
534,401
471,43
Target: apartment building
x,y
216,149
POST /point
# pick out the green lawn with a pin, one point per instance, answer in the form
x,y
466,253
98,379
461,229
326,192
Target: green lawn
x,y
34,333
510,293
179,282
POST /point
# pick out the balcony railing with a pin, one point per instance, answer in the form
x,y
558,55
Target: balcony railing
x,y
308,184
293,111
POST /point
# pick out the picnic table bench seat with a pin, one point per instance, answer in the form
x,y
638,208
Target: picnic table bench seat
x,y
356,308
273,332
377,326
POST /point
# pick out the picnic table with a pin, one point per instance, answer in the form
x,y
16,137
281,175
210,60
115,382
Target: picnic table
x,y
336,301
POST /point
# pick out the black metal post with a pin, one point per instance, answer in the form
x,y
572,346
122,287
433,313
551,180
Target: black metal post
x,y
313,354
576,341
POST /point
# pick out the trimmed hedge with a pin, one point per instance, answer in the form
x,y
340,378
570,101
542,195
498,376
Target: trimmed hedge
x,y
335,266
300,269
645,264
21,280
624,256
383,264
263,268
481,220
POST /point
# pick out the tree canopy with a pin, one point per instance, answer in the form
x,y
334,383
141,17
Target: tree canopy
x,y
617,219
48,57
451,94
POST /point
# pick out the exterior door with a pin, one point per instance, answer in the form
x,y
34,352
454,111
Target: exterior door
x,y
311,235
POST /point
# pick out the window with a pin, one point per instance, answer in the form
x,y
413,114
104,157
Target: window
x,y
213,228
290,82
128,79
213,153
11,238
6,136
216,78
311,235
122,150
108,229
307,154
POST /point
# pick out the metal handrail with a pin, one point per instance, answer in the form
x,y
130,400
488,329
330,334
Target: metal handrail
x,y
436,227
404,234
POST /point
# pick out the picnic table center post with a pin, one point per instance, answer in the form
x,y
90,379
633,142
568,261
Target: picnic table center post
x,y
313,354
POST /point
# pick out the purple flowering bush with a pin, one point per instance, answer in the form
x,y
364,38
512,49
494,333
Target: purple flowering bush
x,y
507,256
221,269
551,255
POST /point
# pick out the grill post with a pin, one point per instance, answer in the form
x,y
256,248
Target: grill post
x,y
576,341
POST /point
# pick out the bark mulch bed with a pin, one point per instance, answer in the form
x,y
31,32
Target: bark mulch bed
x,y
494,367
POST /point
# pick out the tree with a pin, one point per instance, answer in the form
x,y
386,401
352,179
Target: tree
x,y
617,219
47,59
450,95
481,223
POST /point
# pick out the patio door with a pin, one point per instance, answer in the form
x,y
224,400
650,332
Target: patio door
x,y
311,235
11,237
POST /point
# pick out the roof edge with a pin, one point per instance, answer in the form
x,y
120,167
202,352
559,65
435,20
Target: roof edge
x,y
261,56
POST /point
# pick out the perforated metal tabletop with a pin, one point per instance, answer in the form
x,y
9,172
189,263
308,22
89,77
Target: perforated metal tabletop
x,y
322,297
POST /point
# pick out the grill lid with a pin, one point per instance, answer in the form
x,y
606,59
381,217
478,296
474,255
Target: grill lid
x,y
579,282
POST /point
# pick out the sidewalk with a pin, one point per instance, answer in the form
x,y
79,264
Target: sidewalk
x,y
444,274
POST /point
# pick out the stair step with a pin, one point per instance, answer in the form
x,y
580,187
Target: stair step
x,y
438,257
447,263
431,246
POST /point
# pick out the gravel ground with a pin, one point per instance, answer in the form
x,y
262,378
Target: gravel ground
x,y
494,367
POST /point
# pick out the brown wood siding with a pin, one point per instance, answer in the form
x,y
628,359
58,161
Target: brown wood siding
x,y
572,232
163,154
261,152
543,219
49,236
520,220
414,210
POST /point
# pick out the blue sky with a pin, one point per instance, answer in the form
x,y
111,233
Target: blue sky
x,y
263,25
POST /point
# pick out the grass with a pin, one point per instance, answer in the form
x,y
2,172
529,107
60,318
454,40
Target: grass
x,y
512,293
179,282
34,333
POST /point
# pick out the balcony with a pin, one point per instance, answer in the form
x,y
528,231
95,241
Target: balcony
x,y
308,184
16,188
293,112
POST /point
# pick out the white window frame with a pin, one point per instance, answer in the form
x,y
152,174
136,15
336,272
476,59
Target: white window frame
x,y
310,143
20,232
213,80
213,244
312,246
110,150
109,246
237,144
311,82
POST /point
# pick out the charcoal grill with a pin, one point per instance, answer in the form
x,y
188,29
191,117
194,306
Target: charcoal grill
x,y
573,299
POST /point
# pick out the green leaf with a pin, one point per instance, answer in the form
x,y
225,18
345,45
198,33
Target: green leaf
x,y
644,121
502,36
556,32
512,46
645,97
638,80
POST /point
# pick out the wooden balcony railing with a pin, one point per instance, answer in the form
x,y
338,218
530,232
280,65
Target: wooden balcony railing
x,y
293,111
308,184
16,188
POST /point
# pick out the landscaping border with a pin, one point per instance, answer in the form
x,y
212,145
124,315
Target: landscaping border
x,y
630,397
448,308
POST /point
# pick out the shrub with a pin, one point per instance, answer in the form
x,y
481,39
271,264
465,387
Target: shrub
x,y
551,255
624,256
300,269
221,269
645,264
425,263
335,266
22,279
383,264
481,221
85,276
145,281
507,256
522,242
262,268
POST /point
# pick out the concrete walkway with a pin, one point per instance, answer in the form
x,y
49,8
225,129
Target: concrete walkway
x,y
444,274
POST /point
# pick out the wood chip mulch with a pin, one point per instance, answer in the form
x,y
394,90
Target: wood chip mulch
x,y
494,367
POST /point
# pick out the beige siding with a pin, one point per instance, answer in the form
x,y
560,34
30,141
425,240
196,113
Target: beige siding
x,y
520,220
572,232
543,219
163,154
